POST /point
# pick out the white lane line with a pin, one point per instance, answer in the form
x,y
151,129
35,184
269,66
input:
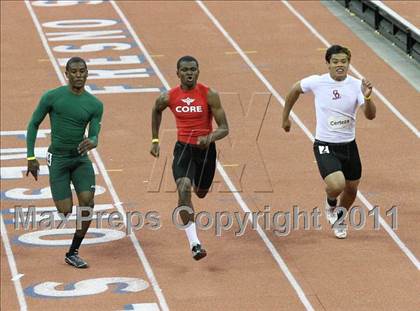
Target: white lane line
x,y
267,84
12,264
277,257
222,172
140,44
107,179
391,232
134,240
355,71
45,43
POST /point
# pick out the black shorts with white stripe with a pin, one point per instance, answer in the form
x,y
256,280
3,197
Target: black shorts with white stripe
x,y
199,165
333,157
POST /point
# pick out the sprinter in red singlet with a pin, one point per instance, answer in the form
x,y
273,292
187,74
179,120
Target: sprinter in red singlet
x,y
194,105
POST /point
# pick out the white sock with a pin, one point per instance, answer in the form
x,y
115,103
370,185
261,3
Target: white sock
x,y
191,232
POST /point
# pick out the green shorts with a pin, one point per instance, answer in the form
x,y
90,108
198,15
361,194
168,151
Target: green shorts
x,y
64,169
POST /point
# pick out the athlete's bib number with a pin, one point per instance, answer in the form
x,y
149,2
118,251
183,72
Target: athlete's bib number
x,y
336,123
323,149
49,158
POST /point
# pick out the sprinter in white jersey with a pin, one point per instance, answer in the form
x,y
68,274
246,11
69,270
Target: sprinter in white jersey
x,y
337,99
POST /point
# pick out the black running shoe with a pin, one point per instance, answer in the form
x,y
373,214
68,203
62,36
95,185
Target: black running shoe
x,y
198,252
75,260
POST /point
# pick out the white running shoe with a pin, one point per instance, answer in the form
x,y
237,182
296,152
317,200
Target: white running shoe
x,y
340,231
330,213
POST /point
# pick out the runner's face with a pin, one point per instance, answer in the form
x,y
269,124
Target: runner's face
x,y
338,66
77,75
188,74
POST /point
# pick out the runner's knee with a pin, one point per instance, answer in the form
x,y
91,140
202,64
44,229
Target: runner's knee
x,y
184,185
65,206
88,202
86,198
184,190
335,187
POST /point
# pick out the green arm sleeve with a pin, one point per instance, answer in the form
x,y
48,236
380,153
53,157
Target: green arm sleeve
x,y
38,116
95,124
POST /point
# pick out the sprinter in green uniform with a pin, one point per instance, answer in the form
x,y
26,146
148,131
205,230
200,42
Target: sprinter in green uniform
x,y
71,108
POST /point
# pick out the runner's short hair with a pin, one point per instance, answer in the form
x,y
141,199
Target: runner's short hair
x,y
336,49
185,58
75,59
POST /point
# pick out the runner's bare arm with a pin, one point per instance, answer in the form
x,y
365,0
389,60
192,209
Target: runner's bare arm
x,y
369,108
161,103
219,115
291,99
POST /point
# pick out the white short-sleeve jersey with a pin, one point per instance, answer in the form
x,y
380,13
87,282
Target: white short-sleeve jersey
x,y
336,104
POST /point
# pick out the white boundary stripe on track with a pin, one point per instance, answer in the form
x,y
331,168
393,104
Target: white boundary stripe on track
x,y
391,232
397,16
222,172
141,45
355,71
13,269
107,179
281,263
238,49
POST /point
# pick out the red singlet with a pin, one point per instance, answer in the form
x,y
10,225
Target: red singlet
x,y
192,113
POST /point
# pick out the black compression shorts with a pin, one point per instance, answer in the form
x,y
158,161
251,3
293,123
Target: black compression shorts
x,y
333,157
197,164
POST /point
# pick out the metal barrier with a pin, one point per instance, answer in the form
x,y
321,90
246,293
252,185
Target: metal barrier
x,y
388,23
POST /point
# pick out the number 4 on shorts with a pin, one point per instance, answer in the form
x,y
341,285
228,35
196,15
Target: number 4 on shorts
x,y
323,149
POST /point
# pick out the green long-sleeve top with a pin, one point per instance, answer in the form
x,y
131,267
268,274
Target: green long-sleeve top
x,y
69,115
